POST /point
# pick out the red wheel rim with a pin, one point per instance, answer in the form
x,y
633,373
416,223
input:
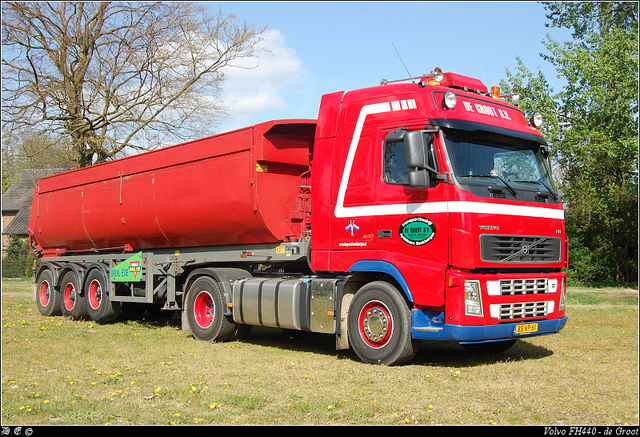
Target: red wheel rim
x,y
45,293
95,294
375,324
203,309
69,296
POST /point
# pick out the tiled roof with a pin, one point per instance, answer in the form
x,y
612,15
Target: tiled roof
x,y
19,197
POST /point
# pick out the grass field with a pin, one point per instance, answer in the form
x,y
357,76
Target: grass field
x,y
138,371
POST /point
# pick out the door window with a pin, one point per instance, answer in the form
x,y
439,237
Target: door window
x,y
396,171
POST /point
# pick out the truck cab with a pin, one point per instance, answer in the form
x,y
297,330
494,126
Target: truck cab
x,y
446,190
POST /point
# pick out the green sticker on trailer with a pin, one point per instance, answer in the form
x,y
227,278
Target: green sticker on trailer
x,y
129,270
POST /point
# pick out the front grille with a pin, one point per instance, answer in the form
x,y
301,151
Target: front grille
x,y
522,310
520,249
511,287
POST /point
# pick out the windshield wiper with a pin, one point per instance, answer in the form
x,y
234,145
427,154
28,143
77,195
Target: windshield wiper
x,y
509,187
551,193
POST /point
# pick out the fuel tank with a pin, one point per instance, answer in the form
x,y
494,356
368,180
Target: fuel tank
x,y
247,186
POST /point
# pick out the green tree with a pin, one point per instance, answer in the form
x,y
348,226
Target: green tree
x,y
17,249
592,127
110,76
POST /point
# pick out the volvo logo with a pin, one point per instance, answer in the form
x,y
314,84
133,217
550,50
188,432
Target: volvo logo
x,y
524,249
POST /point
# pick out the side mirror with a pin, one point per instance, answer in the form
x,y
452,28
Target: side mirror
x,y
415,150
419,179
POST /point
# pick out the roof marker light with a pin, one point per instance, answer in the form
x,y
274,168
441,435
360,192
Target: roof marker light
x,y
450,100
495,92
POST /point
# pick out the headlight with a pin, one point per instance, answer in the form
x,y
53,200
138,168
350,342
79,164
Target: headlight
x,y
450,100
536,120
472,298
563,296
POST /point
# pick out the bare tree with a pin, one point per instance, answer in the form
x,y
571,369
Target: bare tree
x,y
118,76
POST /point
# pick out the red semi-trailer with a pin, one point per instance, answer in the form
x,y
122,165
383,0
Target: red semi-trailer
x,y
418,209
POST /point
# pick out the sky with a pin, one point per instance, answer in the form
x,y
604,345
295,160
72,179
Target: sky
x,y
317,48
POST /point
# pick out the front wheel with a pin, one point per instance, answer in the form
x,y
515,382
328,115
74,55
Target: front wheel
x,y
379,325
205,311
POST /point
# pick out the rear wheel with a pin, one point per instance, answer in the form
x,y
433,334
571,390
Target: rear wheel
x,y
99,305
72,304
205,311
379,324
48,298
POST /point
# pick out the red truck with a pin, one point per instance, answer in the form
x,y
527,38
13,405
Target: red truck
x,y
418,209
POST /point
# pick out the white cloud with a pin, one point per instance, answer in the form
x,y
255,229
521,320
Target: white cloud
x,y
249,91
260,102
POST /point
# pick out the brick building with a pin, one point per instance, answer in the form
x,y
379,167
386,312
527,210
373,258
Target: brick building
x,y
16,203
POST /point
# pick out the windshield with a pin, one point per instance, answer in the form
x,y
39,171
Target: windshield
x,y
492,165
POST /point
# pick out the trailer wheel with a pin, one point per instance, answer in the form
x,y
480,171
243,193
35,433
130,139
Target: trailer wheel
x,y
205,311
99,306
379,323
48,298
72,304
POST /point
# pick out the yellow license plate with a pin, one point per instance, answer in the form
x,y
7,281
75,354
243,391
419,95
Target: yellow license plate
x,y
526,328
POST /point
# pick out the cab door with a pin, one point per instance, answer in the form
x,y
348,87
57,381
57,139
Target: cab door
x,y
412,223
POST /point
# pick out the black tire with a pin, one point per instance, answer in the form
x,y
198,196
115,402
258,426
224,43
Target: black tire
x,y
379,324
47,296
205,311
72,302
98,303
494,347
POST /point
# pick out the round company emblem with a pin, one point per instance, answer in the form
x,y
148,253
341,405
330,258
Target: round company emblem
x,y
417,231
